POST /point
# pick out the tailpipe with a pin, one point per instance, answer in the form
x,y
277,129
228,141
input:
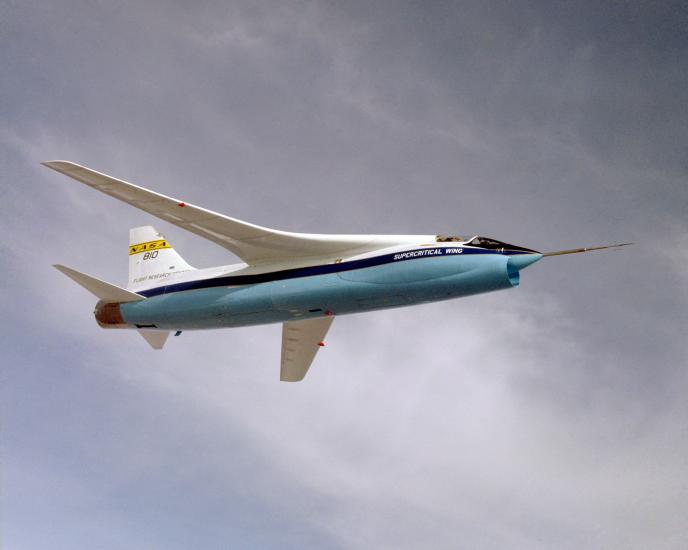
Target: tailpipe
x,y
109,315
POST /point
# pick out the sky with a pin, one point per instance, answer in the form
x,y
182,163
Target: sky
x,y
551,415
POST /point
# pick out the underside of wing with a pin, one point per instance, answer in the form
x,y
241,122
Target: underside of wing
x,y
252,243
301,340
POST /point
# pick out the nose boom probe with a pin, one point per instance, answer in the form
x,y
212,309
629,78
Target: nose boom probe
x,y
579,250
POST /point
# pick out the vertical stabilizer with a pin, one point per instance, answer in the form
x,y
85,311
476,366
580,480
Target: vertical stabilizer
x,y
151,258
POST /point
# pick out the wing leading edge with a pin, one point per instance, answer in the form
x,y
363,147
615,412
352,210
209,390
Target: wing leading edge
x,y
252,243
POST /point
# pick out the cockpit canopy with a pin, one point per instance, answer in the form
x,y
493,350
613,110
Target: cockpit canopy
x,y
485,243
449,239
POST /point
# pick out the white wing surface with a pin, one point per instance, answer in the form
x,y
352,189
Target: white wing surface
x,y
252,243
301,340
105,291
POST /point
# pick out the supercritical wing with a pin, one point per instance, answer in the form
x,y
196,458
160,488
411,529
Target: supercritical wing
x,y
301,341
252,243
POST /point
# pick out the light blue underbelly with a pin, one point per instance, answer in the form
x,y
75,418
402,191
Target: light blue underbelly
x,y
386,286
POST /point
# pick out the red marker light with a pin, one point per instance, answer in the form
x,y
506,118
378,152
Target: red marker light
x,y
182,205
321,344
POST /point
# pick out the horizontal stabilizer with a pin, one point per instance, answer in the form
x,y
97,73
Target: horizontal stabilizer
x,y
155,338
105,291
301,340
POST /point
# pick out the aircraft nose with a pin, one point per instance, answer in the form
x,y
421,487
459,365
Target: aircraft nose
x,y
521,261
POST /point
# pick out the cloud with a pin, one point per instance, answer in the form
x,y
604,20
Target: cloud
x,y
549,415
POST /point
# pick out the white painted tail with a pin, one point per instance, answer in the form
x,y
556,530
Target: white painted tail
x,y
151,258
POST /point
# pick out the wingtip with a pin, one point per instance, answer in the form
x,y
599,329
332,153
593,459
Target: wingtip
x,y
292,380
58,165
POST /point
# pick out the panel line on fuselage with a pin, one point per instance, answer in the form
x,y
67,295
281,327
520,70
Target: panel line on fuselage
x,y
324,269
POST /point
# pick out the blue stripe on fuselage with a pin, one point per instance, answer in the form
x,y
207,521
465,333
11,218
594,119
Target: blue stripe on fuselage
x,y
237,280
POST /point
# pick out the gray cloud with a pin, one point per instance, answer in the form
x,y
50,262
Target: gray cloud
x,y
550,415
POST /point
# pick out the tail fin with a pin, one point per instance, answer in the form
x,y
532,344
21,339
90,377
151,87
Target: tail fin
x,y
151,258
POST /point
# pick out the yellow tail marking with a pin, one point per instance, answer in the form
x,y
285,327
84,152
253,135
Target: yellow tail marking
x,y
147,247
